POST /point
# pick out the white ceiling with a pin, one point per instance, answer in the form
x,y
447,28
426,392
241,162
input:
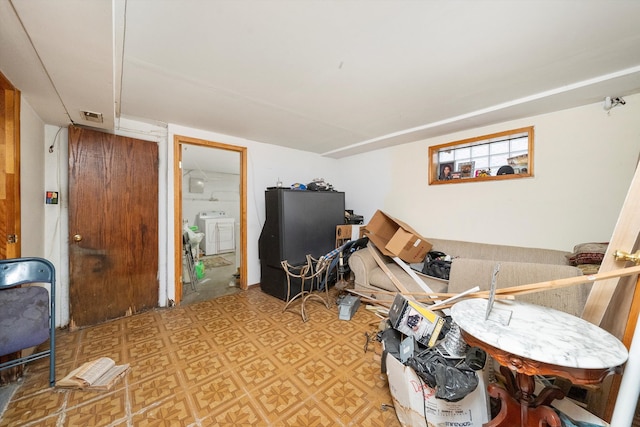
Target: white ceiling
x,y
333,77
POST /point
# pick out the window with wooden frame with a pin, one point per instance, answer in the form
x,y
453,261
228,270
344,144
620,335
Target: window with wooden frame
x,y
503,155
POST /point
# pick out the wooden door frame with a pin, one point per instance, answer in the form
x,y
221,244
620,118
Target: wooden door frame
x,y
10,170
178,140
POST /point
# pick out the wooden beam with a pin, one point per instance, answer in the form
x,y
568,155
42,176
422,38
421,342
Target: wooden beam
x,y
570,281
624,238
383,266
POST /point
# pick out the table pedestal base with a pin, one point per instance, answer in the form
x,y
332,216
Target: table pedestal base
x,y
519,406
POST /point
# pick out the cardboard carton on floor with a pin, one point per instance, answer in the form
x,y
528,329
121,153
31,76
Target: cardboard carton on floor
x,y
395,238
416,405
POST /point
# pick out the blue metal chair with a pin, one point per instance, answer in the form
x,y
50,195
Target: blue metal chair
x,y
27,313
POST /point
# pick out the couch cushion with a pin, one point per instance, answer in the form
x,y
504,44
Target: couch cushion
x,y
24,318
467,273
379,279
472,250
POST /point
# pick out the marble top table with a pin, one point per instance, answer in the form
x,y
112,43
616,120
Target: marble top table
x,y
535,340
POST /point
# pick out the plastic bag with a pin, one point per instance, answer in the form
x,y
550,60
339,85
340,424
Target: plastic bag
x,y
452,379
437,264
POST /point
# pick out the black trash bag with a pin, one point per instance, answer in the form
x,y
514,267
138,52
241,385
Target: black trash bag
x,y
435,265
453,383
424,365
452,379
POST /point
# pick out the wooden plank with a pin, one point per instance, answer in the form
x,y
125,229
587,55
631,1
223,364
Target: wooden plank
x,y
412,274
609,304
383,266
624,238
606,276
626,340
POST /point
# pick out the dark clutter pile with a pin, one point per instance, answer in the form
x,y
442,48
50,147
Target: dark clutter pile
x,y
318,184
435,378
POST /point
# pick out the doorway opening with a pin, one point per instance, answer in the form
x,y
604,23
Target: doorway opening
x,y
210,219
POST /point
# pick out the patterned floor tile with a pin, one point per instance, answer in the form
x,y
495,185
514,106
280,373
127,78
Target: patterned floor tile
x,y
201,370
344,400
257,372
82,397
152,390
273,339
216,325
237,360
108,345
103,410
311,413
193,350
314,374
151,366
101,331
215,395
33,407
278,396
241,413
170,412
242,352
140,349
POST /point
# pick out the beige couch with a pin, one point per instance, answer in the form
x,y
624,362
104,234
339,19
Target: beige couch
x,y
473,265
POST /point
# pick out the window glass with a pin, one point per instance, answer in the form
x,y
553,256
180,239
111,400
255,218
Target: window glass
x,y
503,155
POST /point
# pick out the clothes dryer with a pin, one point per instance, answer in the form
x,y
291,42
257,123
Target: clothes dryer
x,y
219,232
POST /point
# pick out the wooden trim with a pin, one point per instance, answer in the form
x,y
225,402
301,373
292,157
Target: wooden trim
x,y
177,203
626,340
10,168
534,367
433,166
470,141
177,182
625,235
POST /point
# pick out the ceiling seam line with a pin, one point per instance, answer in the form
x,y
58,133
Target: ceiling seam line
x,y
491,109
46,72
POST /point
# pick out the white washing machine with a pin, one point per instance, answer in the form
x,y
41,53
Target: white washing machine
x,y
219,232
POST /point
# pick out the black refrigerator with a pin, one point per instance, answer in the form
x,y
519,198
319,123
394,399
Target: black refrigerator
x,y
297,223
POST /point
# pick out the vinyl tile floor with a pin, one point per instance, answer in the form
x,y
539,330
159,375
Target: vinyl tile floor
x,y
237,360
215,283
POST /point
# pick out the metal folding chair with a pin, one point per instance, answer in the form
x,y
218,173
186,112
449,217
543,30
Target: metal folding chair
x,y
27,318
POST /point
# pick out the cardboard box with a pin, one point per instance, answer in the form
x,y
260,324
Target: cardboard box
x,y
412,398
415,320
345,233
395,238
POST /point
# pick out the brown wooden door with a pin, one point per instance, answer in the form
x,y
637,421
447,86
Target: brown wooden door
x,y
113,226
9,170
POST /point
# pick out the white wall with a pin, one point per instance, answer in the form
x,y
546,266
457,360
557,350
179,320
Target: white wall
x,y
221,193
56,224
584,162
32,205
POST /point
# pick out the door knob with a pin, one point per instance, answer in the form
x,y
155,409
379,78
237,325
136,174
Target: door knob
x,y
77,237
625,256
